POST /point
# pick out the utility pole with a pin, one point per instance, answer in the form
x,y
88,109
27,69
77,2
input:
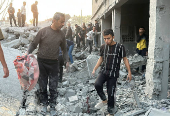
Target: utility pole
x,y
81,17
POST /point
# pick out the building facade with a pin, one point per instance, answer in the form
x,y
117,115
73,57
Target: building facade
x,y
125,17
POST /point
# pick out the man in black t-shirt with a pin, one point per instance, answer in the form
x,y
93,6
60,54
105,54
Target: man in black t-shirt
x,y
111,54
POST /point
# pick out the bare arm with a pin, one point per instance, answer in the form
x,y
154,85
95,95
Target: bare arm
x,y
128,68
2,59
34,43
99,62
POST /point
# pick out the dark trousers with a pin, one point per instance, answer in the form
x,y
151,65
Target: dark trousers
x,y
23,19
78,41
111,86
19,21
11,16
89,45
61,64
142,53
48,71
83,41
35,18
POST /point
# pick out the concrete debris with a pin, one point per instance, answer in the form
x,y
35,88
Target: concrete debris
x,y
24,41
156,112
13,44
135,61
77,95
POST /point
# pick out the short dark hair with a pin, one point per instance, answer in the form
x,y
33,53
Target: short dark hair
x,y
95,20
108,31
76,25
58,15
142,27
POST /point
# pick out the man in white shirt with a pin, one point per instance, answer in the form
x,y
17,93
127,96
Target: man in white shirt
x,y
23,14
90,37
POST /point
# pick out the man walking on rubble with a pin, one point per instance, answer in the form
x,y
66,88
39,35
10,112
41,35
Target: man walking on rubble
x,y
90,36
142,45
111,54
49,39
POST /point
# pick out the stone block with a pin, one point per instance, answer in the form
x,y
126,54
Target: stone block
x,y
73,98
24,41
13,44
70,93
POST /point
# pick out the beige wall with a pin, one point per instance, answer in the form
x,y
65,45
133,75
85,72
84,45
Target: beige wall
x,y
100,7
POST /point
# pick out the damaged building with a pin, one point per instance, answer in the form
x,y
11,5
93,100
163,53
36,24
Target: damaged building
x,y
125,17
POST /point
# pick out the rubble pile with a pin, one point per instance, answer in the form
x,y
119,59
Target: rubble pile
x,y
135,61
77,95
19,38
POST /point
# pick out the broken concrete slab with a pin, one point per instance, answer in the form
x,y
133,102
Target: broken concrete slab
x,y
11,37
24,41
70,93
13,44
156,112
91,62
73,99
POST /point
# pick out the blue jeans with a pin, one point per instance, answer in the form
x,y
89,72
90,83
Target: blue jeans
x,y
70,53
96,40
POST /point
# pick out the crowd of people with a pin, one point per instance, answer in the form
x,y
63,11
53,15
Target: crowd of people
x,y
85,35
21,14
55,50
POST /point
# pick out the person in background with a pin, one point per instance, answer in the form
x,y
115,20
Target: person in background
x,y
96,36
11,12
83,35
78,35
64,30
19,17
142,45
23,14
88,28
34,10
90,37
84,26
70,46
69,32
61,64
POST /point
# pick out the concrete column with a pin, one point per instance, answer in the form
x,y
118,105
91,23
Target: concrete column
x,y
113,20
117,22
102,28
105,24
159,40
